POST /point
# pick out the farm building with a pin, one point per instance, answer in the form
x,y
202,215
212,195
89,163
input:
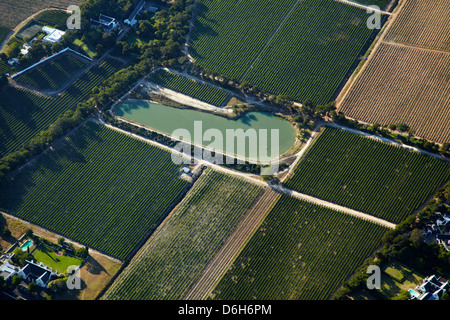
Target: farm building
x,y
131,21
38,273
107,23
7,270
53,35
431,288
13,61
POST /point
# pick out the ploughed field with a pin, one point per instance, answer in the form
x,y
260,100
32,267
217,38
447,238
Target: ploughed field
x,y
404,85
175,256
424,24
302,49
23,113
301,251
98,187
14,12
368,175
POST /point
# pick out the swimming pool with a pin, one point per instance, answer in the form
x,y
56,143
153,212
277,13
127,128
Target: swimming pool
x,y
26,245
414,293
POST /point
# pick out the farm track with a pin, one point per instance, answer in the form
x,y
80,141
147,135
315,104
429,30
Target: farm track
x,y
233,246
277,188
362,6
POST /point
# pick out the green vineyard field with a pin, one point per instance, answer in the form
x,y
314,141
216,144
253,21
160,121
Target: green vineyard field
x,y
23,114
301,251
54,74
180,249
228,35
99,187
300,49
312,52
364,174
189,87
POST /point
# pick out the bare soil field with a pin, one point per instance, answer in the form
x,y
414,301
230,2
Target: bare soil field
x,y
14,12
424,24
404,84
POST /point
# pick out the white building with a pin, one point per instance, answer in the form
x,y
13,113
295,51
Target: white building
x,y
39,273
53,35
7,270
131,21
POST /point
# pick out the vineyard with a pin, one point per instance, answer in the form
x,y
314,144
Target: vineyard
x,y
296,50
189,87
423,24
23,114
311,53
402,84
53,18
301,251
228,35
52,75
380,3
99,187
368,175
180,249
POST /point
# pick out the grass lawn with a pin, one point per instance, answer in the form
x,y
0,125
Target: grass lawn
x,y
133,38
88,49
390,287
54,261
396,271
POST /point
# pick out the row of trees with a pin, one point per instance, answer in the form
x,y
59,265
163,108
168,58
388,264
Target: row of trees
x,y
101,96
405,244
405,135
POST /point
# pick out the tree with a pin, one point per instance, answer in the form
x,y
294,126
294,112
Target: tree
x,y
29,233
82,253
416,237
61,241
402,127
16,280
6,232
32,287
13,50
57,47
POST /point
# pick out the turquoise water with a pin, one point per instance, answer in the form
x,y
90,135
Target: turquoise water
x,y
168,119
413,293
26,245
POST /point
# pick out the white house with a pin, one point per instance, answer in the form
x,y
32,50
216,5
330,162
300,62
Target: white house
x,y
53,35
107,23
39,273
7,270
431,288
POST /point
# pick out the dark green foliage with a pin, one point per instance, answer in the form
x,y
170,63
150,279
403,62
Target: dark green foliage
x,y
368,175
125,186
24,114
53,74
301,251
